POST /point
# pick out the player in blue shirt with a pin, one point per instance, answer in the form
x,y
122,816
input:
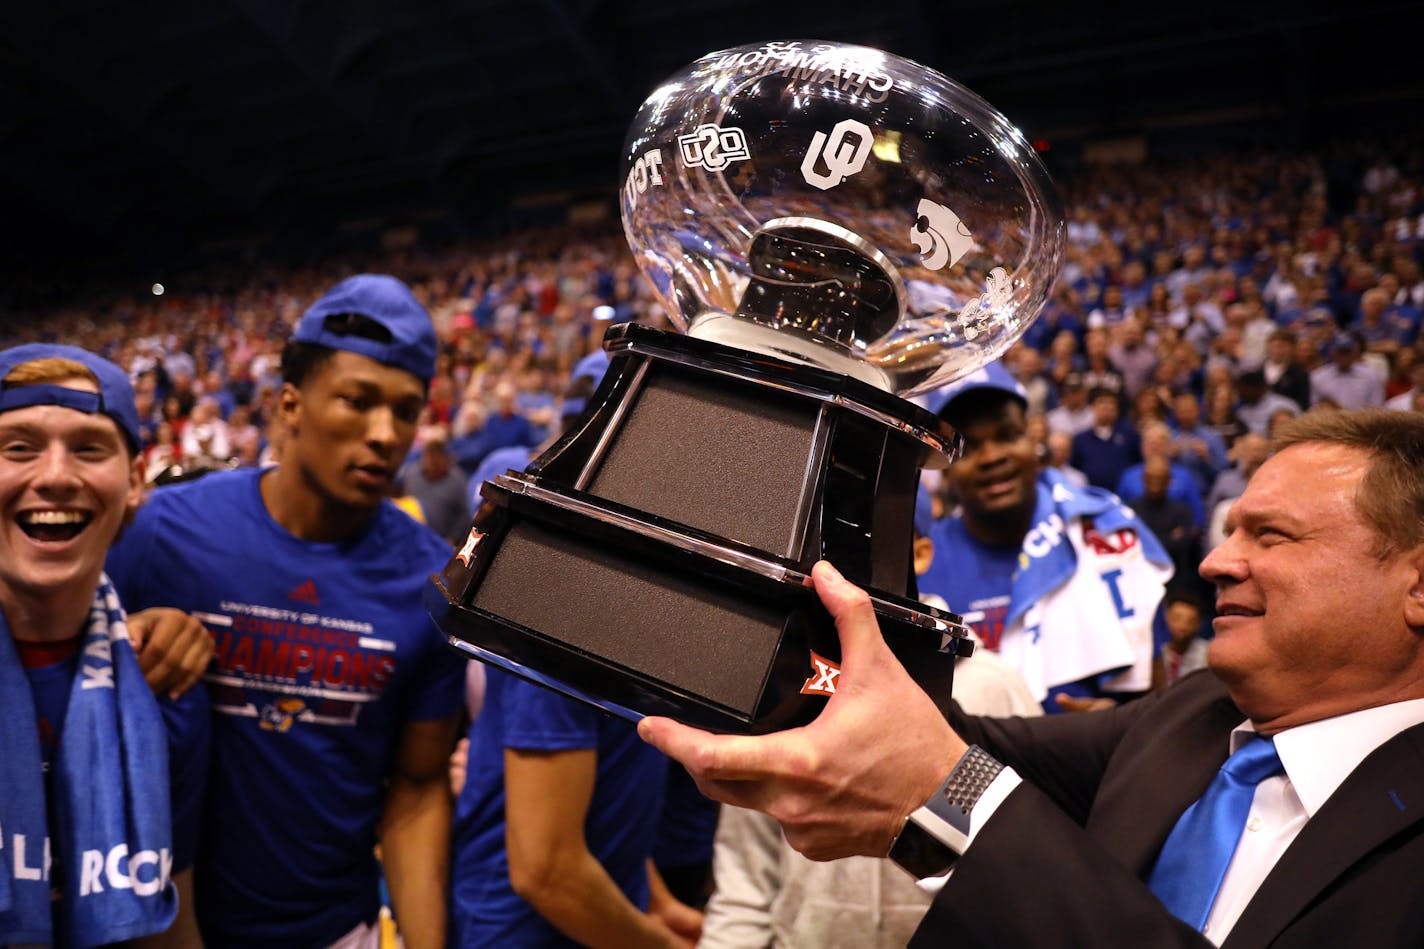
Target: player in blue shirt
x,y
100,783
334,696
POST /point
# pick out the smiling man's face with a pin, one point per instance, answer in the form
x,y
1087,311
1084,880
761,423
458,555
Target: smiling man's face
x,y
67,484
1310,622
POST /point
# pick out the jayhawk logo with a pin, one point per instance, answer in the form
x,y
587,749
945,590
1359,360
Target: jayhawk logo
x,y
278,716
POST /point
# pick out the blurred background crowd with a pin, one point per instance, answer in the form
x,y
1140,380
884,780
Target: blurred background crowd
x,y
1200,301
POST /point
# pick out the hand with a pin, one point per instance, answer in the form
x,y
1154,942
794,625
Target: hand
x,y
1077,703
173,649
459,759
684,921
845,783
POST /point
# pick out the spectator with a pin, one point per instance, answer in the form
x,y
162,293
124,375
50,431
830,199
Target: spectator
x,y
1157,443
1173,523
1185,650
1007,561
1072,414
1346,381
439,487
1197,447
1110,447
1283,373
1258,403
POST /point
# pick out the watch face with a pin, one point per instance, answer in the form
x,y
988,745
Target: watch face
x,y
918,853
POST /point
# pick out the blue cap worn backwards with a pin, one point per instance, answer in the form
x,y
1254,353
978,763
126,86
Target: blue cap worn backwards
x,y
992,376
115,397
385,301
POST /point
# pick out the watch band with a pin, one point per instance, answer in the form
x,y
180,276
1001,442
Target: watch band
x,y
937,833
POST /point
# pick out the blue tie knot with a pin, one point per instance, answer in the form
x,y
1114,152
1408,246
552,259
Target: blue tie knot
x,y
1254,761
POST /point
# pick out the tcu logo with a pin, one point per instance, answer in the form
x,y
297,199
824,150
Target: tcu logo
x,y
823,678
467,552
713,147
939,235
646,173
844,154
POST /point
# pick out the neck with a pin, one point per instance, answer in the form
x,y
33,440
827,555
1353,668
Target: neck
x,y
304,511
1006,529
48,617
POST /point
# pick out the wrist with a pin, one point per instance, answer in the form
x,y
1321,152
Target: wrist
x,y
936,833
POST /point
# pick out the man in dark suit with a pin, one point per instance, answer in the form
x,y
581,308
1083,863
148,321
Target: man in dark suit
x,y
1069,827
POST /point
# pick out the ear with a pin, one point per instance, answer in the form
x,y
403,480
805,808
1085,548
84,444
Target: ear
x,y
136,490
924,554
289,405
1414,600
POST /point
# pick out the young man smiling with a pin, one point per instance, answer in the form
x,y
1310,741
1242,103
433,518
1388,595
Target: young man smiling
x,y
1062,582
99,782
335,698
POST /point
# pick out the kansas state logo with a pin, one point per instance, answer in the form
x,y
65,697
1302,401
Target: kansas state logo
x,y
713,147
939,235
824,676
843,155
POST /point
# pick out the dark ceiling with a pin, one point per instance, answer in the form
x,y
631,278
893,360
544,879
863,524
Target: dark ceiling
x,y
157,130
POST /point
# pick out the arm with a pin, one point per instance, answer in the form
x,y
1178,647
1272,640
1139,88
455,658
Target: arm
x,y
547,795
415,832
173,649
747,864
682,919
183,933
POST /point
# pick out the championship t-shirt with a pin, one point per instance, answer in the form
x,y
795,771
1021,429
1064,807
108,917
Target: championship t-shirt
x,y
324,653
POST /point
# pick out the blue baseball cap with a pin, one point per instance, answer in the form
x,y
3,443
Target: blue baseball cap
x,y
992,376
115,397
386,301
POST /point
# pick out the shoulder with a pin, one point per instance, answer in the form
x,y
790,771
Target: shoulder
x,y
202,496
401,536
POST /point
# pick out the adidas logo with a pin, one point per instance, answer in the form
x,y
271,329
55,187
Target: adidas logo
x,y
306,593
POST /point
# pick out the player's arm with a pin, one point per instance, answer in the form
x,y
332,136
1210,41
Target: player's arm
x,y
547,795
173,649
183,934
415,832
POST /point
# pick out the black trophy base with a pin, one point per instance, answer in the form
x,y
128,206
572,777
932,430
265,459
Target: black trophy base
x,y
607,573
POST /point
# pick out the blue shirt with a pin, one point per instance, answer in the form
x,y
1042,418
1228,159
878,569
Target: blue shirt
x,y
620,829
324,654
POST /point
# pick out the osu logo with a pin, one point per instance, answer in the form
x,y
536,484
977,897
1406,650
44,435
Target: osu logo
x,y
823,677
844,154
713,147
939,235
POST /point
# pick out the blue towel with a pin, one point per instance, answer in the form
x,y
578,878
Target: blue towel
x,y
113,841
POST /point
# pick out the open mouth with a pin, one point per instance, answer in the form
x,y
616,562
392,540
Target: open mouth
x,y
54,526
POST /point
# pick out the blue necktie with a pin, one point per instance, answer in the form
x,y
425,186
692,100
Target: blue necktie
x,y
1198,851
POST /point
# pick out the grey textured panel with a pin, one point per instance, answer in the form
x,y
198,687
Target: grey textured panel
x,y
652,621
716,455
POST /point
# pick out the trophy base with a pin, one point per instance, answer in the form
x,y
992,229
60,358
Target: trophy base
x,y
627,570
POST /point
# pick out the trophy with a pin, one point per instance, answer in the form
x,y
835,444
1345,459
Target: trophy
x,y
833,230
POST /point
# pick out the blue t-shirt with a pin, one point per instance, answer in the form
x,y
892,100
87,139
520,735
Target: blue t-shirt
x,y
324,653
620,830
186,721
974,578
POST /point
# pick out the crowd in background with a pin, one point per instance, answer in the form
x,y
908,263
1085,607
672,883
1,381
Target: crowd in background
x,y
1199,302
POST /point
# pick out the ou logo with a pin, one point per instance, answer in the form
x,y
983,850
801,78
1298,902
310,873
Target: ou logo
x,y
713,147
844,154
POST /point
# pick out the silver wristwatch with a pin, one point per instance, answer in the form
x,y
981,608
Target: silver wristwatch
x,y
937,833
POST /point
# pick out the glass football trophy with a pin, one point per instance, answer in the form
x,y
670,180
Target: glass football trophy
x,y
834,229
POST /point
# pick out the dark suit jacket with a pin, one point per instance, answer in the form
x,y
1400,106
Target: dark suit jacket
x,y
1062,861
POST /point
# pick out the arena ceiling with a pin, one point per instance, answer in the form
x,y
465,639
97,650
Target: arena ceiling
x,y
141,130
